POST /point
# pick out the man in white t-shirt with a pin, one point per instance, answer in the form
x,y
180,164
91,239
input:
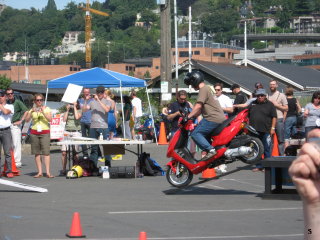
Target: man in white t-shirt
x,y
6,113
137,109
225,101
280,101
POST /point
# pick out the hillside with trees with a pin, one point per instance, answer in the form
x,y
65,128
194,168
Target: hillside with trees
x,y
33,30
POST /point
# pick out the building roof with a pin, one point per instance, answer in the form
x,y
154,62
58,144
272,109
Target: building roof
x,y
230,74
307,77
139,61
5,65
34,88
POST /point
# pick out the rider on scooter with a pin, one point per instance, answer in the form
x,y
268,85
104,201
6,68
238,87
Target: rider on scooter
x,y
210,109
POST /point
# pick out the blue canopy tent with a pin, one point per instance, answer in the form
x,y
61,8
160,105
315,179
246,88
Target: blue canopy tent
x,y
95,77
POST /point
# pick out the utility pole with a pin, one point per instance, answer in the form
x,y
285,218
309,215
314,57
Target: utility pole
x,y
176,45
165,42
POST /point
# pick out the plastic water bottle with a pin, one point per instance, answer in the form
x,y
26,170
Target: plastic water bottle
x,y
105,173
101,137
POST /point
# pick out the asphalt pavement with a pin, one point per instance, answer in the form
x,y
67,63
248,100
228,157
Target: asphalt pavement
x,y
227,208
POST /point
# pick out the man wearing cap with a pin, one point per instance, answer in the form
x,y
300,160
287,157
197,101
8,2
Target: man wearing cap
x,y
241,98
6,113
281,103
263,117
99,121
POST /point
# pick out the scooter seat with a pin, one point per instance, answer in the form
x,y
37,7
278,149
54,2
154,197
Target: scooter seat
x,y
222,125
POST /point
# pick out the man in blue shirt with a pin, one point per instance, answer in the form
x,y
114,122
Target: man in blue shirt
x,y
86,118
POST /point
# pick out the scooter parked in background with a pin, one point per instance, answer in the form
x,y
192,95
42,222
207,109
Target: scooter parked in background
x,y
146,130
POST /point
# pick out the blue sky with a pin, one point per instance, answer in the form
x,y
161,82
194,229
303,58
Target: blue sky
x,y
39,4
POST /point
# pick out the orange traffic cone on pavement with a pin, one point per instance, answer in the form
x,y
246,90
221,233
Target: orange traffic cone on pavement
x,y
162,135
275,148
143,236
14,169
76,229
209,173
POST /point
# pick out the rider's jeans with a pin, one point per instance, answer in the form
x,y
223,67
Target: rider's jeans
x,y
201,135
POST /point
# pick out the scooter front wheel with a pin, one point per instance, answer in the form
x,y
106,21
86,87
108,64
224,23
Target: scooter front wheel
x,y
181,178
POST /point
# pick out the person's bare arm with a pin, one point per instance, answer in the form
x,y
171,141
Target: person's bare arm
x,y
273,126
47,115
228,109
281,107
4,110
196,111
305,173
171,116
77,113
105,107
298,106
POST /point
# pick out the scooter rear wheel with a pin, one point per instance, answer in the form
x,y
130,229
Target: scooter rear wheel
x,y
257,151
182,178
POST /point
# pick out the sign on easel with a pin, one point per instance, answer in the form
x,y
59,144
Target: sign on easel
x,y
23,186
56,128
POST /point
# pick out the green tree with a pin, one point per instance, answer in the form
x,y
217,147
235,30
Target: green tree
x,y
51,6
284,16
302,7
4,82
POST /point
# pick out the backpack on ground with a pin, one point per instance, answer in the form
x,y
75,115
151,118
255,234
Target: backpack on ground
x,y
148,166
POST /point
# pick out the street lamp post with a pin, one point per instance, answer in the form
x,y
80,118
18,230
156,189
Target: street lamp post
x,y
108,45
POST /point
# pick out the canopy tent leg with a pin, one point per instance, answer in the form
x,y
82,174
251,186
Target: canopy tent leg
x,y
45,101
123,128
154,129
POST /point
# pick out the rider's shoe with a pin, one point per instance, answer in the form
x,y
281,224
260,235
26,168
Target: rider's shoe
x,y
209,155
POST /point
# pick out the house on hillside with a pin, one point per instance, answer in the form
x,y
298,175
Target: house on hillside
x,y
70,44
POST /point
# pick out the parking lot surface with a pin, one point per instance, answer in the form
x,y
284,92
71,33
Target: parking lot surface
x,y
227,208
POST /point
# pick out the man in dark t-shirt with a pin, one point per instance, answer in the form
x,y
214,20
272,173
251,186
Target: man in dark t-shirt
x,y
174,110
240,98
263,117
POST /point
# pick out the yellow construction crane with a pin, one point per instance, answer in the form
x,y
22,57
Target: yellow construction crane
x,y
87,9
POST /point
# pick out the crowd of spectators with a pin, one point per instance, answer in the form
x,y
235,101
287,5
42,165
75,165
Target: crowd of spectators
x,y
96,116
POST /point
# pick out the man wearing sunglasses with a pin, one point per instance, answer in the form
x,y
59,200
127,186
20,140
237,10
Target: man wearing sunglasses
x,y
174,110
263,117
20,112
224,100
6,112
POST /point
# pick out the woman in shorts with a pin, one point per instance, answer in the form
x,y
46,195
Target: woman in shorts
x,y
40,134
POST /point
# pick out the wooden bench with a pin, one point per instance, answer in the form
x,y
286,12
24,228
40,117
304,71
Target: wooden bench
x,y
279,192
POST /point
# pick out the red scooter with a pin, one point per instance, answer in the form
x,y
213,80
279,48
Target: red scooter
x,y
233,140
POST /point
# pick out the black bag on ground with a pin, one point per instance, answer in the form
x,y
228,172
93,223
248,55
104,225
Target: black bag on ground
x,y
148,166
87,164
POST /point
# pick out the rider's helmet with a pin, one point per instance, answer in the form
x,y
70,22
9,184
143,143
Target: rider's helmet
x,y
194,78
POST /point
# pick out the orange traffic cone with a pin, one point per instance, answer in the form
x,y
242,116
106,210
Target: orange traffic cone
x,y
75,229
209,173
275,148
143,236
14,169
162,135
